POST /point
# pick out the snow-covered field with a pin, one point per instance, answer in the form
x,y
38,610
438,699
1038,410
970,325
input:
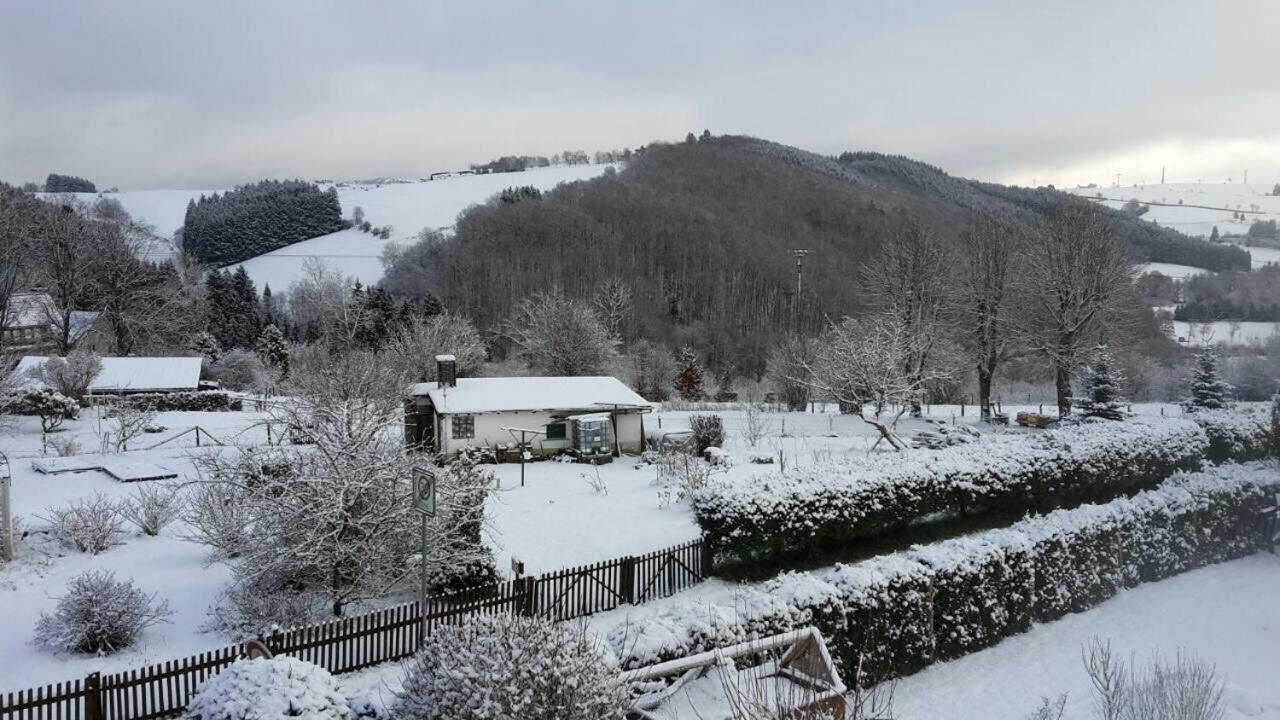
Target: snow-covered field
x,y
1223,332
407,207
1177,272
1218,201
1225,614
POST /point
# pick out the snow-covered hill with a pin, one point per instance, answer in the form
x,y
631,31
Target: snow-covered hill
x,y
1204,206
406,207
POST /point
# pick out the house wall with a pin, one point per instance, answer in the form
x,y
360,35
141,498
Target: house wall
x,y
489,431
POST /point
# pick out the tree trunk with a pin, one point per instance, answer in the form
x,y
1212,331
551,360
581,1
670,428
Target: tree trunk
x,y
1063,383
984,392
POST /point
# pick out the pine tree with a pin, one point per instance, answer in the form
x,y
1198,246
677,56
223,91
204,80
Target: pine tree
x,y
273,350
1275,425
1103,398
1213,235
1208,390
206,345
688,381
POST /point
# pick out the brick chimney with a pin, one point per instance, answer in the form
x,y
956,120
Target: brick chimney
x,y
447,371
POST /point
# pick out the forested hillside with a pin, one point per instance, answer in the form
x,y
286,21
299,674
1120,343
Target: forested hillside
x,y
702,233
258,218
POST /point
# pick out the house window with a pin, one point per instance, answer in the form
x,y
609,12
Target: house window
x,y
463,427
556,431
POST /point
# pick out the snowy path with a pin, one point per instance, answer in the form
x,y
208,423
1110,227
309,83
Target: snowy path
x,y
1227,614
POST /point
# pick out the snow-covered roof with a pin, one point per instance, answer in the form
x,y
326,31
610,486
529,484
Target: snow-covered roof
x,y
30,310
135,374
509,394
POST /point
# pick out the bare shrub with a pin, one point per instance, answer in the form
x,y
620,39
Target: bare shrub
x,y
595,482
215,517
64,447
126,422
152,507
239,370
748,698
99,614
528,668
681,474
1185,688
756,425
92,526
1050,709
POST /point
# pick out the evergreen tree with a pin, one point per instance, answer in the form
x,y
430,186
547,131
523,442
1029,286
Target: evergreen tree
x,y
207,346
725,383
1213,235
1275,425
1103,397
1208,390
273,350
268,306
688,380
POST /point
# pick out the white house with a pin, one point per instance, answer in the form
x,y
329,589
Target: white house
x,y
126,375
594,415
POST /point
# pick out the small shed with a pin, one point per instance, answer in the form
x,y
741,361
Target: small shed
x,y
592,415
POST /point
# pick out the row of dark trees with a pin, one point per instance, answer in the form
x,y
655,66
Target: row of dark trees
x,y
56,183
1231,296
222,229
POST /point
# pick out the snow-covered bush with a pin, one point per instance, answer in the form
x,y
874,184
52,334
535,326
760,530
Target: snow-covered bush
x,y
92,526
511,667
269,689
777,515
1240,434
69,376
899,612
680,475
63,446
51,406
238,370
153,507
99,614
1186,688
708,431
197,401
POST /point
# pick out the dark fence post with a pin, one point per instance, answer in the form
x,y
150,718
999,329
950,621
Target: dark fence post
x,y
93,697
627,579
529,602
708,558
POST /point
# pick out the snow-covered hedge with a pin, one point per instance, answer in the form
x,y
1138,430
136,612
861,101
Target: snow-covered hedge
x,y
773,516
1239,434
902,611
267,689
202,401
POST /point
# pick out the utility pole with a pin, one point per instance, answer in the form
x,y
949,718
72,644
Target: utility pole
x,y
799,270
6,519
1117,180
1161,174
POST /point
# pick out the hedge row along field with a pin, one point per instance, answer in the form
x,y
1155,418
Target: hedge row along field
x,y
1241,434
903,611
773,517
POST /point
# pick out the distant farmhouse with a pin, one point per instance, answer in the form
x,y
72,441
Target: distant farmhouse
x,y
33,324
586,415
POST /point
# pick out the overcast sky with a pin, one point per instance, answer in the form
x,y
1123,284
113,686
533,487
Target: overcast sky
x,y
208,94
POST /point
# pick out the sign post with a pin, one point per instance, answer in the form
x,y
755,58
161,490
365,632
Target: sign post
x,y
424,503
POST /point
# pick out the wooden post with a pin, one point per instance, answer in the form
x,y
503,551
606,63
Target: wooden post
x,y
627,579
93,697
529,601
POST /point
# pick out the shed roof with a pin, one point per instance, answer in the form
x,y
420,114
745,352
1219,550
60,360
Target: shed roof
x,y
510,394
30,310
135,374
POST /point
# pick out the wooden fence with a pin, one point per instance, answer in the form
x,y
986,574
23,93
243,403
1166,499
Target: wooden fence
x,y
348,644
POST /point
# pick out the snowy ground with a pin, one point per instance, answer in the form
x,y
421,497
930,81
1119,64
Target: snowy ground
x,y
1216,200
407,207
555,521
1225,614
1224,332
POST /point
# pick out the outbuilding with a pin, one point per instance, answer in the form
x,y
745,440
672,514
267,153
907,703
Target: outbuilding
x,y
590,415
130,375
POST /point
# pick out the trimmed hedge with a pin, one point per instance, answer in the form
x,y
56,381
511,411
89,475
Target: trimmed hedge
x,y
1242,434
773,517
202,401
903,611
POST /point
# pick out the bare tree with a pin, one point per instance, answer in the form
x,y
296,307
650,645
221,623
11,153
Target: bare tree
x,y
71,375
906,280
415,347
15,254
612,302
870,361
986,256
558,336
1075,277
64,267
